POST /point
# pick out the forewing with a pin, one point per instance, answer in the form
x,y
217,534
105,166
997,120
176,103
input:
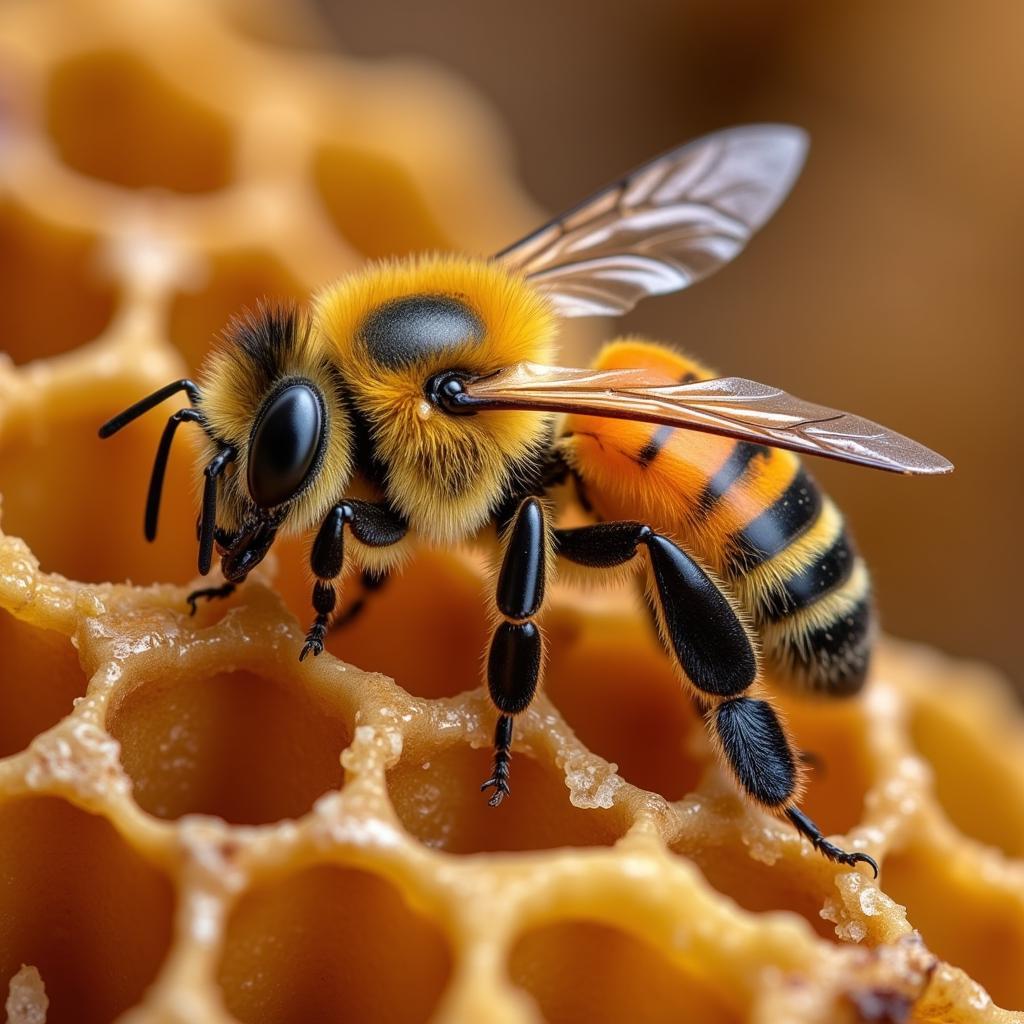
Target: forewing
x,y
750,411
666,225
730,406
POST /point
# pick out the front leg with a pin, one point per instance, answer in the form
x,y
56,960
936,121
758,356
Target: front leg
x,y
516,652
374,524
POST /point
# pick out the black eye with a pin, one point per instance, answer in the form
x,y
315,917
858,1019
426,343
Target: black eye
x,y
284,445
402,331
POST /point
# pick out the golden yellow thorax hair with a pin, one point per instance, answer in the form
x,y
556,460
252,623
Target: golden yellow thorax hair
x,y
444,473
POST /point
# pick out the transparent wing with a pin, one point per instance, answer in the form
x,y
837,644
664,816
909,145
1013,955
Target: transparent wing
x,y
730,406
666,225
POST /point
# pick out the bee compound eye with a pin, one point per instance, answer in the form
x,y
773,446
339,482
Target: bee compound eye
x,y
284,444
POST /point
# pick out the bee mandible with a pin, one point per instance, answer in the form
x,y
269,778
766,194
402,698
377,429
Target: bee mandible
x,y
419,400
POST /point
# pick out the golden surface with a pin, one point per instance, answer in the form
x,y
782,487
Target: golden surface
x,y
196,828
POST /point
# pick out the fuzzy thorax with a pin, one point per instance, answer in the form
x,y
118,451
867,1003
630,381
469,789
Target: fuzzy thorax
x,y
444,473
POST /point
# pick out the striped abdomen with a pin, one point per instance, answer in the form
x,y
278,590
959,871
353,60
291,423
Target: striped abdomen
x,y
750,513
784,549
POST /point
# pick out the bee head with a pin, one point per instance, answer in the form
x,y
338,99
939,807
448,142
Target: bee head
x,y
393,329
271,394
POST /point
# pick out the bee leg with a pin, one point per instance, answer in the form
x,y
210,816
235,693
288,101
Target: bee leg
x,y
210,594
759,753
371,582
373,524
206,527
716,653
698,622
516,651
557,470
806,827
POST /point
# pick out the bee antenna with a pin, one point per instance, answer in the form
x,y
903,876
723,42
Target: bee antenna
x,y
156,481
208,523
122,419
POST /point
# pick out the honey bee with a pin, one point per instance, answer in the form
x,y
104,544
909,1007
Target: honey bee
x,y
419,399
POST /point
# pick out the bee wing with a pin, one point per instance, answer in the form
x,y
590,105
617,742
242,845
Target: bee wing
x,y
731,406
666,225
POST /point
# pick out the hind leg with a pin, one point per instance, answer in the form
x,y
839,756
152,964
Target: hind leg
x,y
715,650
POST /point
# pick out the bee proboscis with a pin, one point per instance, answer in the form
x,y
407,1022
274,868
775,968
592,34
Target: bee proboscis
x,y
419,400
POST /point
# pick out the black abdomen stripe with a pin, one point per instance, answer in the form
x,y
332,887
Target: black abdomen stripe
x,y
658,440
792,514
734,467
661,436
828,571
834,658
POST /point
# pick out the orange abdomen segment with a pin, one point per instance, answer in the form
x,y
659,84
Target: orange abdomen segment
x,y
750,513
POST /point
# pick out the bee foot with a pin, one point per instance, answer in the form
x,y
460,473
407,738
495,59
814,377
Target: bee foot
x,y
834,853
314,641
208,594
499,782
807,827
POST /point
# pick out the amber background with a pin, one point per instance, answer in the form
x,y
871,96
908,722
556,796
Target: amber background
x,y
890,284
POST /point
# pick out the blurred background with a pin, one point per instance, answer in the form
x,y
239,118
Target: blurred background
x,y
889,284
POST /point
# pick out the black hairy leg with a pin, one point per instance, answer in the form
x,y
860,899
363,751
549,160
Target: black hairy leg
x,y
374,524
757,749
715,651
700,626
372,583
516,651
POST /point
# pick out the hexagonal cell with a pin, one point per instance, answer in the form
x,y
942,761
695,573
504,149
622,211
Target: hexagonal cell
x,y
248,748
758,887
437,602
586,971
79,501
53,296
616,688
113,117
375,203
331,943
967,763
987,942
40,677
234,281
832,733
437,798
81,906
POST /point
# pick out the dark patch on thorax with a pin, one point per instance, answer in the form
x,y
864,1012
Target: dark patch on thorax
x,y
401,332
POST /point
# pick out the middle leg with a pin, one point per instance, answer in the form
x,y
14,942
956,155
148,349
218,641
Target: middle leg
x,y
517,648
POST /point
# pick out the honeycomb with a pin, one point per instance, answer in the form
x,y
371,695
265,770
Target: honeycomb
x,y
195,827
